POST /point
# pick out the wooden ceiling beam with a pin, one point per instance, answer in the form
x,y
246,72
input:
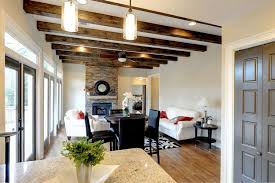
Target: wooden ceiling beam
x,y
126,65
110,52
49,10
139,60
106,35
61,42
115,63
104,55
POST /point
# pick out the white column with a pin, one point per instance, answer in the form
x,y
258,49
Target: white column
x,y
40,108
2,81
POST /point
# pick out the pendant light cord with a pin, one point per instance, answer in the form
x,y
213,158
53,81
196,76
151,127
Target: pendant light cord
x,y
130,9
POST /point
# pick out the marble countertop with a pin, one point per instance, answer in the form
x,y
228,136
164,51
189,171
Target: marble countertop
x,y
135,166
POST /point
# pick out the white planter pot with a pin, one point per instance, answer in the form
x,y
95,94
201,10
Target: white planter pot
x,y
84,174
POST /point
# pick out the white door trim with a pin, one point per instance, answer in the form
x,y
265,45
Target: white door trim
x,y
227,123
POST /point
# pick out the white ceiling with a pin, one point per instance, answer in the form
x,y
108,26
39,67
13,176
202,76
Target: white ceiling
x,y
211,11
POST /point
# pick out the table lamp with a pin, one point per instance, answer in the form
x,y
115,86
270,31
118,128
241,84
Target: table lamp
x,y
204,104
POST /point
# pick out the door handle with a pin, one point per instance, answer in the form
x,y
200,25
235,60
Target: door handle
x,y
259,153
20,127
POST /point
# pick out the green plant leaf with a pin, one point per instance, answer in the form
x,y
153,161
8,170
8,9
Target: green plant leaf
x,y
84,152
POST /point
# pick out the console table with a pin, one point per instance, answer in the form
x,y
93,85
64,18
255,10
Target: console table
x,y
208,139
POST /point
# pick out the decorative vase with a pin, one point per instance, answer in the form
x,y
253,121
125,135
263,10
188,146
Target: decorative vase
x,y
126,112
84,174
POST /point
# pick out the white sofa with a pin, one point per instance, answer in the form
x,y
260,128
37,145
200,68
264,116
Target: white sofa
x,y
184,129
76,127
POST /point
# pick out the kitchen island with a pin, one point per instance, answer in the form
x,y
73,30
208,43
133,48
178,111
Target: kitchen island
x,y
134,165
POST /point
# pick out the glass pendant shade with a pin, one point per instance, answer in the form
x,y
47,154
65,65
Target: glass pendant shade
x,y
82,1
130,26
69,19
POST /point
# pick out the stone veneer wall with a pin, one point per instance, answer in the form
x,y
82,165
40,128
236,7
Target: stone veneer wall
x,y
96,73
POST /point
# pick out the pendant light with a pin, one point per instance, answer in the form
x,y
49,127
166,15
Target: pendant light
x,y
69,19
130,25
82,1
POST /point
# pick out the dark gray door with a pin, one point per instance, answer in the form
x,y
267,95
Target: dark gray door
x,y
268,159
248,115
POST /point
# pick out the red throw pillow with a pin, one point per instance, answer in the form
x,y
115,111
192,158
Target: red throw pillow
x,y
183,118
80,115
163,115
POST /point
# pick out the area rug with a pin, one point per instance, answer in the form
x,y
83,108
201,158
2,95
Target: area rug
x,y
164,143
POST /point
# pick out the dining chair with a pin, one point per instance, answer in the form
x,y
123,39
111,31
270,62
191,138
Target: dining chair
x,y
107,136
152,131
131,132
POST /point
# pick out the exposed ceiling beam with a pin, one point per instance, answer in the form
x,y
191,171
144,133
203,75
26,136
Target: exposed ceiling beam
x,y
49,10
115,63
138,60
100,34
126,65
157,13
96,51
67,41
129,55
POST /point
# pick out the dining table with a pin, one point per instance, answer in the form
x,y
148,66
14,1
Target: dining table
x,y
114,119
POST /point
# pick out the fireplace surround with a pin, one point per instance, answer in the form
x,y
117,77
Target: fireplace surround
x,y
101,109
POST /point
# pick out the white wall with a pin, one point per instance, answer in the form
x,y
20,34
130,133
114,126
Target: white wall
x,y
74,85
183,83
126,78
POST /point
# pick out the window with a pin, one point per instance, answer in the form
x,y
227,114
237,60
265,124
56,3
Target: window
x,y
48,67
59,75
19,48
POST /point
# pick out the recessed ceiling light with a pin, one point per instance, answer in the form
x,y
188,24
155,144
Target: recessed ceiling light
x,y
81,49
192,23
82,1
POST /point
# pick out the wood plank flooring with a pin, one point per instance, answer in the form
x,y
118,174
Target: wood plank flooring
x,y
187,164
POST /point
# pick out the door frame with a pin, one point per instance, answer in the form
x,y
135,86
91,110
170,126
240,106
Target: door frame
x,y
22,69
227,122
13,64
32,71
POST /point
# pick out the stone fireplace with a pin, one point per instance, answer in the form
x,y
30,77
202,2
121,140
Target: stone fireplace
x,y
101,103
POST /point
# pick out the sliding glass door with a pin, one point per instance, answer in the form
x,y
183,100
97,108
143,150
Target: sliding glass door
x,y
29,114
52,107
20,109
48,110
12,105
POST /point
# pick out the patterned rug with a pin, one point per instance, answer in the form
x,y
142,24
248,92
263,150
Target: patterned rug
x,y
164,143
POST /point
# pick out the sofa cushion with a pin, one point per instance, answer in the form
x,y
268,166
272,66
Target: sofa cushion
x,y
72,114
173,112
166,123
163,114
183,119
186,124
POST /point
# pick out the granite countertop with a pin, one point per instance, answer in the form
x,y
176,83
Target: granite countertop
x,y
135,166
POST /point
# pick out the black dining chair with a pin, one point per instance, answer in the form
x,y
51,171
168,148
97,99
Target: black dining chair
x,y
152,131
131,132
106,135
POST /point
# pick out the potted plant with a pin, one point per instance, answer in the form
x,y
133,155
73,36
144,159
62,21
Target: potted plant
x,y
85,154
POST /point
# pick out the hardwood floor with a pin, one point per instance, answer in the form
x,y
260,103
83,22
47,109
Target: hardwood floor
x,y
191,164
186,164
